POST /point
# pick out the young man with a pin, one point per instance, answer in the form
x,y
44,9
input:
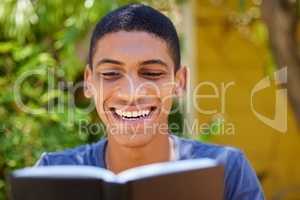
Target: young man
x,y
134,71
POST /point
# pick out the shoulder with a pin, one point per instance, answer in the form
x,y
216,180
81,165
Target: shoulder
x,y
240,178
89,154
189,148
228,156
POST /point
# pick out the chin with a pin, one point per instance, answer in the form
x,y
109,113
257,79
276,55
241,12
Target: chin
x,y
133,140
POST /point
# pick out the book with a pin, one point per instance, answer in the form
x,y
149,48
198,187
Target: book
x,y
193,179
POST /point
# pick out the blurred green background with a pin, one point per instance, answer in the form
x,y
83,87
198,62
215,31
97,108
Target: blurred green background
x,y
53,37
48,41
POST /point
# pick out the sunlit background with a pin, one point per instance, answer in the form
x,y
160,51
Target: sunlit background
x,y
228,46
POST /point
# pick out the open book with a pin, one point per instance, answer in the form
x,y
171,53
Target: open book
x,y
179,180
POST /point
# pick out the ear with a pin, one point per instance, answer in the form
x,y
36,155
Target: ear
x,y
88,83
181,81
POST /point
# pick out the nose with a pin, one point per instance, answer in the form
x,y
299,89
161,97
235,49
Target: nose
x,y
133,90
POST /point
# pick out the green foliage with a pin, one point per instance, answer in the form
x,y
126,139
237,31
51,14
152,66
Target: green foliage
x,y
49,39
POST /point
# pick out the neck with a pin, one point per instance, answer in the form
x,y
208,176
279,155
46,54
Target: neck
x,y
120,157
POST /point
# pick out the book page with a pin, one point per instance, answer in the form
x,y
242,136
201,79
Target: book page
x,y
67,171
158,169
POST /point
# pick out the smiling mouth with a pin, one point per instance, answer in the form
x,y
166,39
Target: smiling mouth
x,y
133,115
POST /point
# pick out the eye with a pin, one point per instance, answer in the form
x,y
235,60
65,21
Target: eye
x,y
110,75
152,75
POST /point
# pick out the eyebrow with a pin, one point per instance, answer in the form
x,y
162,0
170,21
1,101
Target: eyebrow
x,y
154,61
109,61
116,62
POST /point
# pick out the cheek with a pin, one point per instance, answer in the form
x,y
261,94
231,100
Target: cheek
x,y
101,95
102,91
164,87
167,96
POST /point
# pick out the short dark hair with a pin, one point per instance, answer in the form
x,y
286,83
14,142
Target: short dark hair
x,y
138,17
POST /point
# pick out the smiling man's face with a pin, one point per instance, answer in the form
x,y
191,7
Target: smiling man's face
x,y
133,83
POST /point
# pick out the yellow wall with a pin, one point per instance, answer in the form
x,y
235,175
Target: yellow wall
x,y
223,54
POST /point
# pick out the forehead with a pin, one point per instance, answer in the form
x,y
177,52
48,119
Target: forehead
x,y
133,46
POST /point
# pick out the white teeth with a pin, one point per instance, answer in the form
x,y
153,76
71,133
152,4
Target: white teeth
x,y
140,113
119,112
133,114
128,114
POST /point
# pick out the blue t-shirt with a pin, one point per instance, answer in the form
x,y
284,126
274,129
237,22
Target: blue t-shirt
x,y
241,182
